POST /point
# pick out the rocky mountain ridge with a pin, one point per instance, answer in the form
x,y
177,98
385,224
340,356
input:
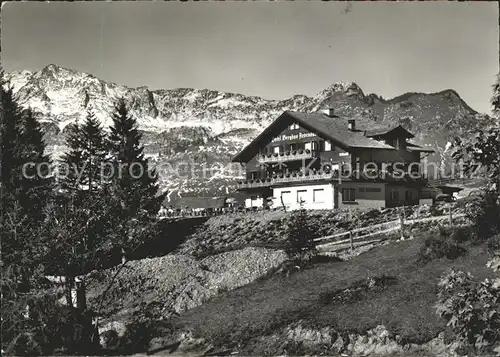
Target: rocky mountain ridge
x,y
205,127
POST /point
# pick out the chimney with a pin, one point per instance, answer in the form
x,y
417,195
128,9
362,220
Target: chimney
x,y
351,124
329,112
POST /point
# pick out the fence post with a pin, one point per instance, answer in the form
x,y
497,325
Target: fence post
x,y
351,241
450,209
402,222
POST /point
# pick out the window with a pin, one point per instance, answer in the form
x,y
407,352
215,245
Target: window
x,y
373,189
308,146
319,195
348,195
395,195
276,150
301,196
408,195
294,126
286,197
328,146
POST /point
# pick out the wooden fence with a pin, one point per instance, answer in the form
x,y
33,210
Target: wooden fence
x,y
451,181
366,235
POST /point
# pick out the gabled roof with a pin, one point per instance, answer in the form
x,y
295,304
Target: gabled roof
x,y
381,130
333,129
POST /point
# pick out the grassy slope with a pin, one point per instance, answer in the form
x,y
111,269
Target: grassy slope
x,y
405,308
234,231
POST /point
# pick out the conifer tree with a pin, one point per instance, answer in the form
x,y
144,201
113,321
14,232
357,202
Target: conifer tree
x,y
134,183
82,166
23,198
37,182
10,133
84,179
82,221
25,167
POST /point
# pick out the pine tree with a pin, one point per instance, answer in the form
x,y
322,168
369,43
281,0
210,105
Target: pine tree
x,y
81,219
83,167
10,133
24,195
84,182
36,181
134,181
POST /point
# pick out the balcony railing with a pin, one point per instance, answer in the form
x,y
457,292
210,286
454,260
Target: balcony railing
x,y
287,156
314,176
296,177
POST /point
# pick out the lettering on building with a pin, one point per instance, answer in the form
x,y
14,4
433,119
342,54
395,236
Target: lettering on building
x,y
294,137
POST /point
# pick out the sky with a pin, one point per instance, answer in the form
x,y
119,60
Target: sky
x,y
269,49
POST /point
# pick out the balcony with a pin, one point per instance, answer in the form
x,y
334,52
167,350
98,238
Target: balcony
x,y
287,156
292,178
296,177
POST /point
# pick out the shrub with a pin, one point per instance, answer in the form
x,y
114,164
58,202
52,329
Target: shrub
x,y
458,234
437,248
300,235
435,211
472,309
484,213
463,234
493,244
445,231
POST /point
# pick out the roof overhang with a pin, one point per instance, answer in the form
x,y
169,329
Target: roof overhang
x,y
419,149
365,147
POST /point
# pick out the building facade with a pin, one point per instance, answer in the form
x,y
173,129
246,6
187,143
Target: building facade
x,y
323,161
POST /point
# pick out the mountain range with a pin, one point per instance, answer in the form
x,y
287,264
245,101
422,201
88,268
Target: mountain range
x,y
192,134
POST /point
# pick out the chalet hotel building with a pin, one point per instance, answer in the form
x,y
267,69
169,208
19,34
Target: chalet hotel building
x,y
323,161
